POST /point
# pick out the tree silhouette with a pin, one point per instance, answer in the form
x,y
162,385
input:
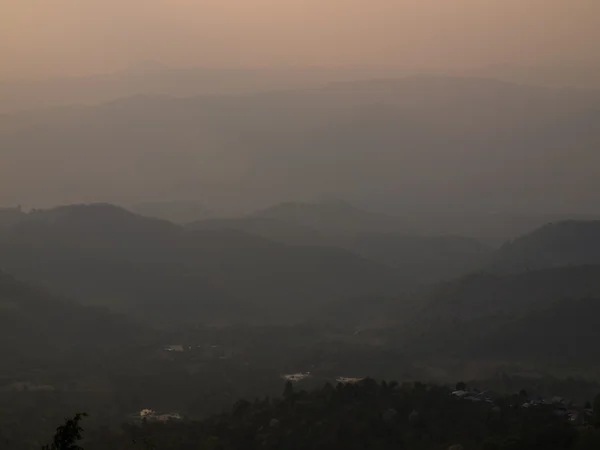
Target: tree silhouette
x,y
461,386
67,435
289,390
596,410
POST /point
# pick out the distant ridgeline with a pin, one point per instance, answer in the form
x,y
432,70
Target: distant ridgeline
x,y
9,216
10,209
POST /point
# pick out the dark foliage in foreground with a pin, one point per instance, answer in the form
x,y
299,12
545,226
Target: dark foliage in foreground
x,y
365,415
68,435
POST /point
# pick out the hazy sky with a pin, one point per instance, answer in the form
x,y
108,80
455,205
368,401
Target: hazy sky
x,y
49,37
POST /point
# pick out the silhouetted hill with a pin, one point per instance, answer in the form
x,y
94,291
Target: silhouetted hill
x,y
553,245
98,229
563,334
159,271
493,229
38,327
155,78
544,319
420,258
480,294
543,316
473,297
424,259
279,274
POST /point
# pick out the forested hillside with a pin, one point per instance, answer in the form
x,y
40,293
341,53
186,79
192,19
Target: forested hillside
x,y
369,415
564,243
159,271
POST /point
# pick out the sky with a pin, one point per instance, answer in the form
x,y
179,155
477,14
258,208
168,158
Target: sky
x,y
41,38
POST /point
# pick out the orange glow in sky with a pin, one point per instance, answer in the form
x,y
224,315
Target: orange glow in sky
x,y
42,37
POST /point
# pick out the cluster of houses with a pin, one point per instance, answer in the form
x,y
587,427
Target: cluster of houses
x,y
296,377
208,351
149,415
348,380
472,395
576,414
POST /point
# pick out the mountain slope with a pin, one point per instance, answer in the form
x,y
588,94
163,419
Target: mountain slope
x,y
542,317
425,259
564,334
480,294
272,273
98,229
420,258
553,245
160,271
39,327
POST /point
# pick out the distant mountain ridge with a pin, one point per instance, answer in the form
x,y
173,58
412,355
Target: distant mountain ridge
x,y
415,143
176,212
339,216
153,77
558,244
375,236
157,270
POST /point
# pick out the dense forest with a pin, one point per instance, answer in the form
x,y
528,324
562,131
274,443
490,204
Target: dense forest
x,y
362,415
